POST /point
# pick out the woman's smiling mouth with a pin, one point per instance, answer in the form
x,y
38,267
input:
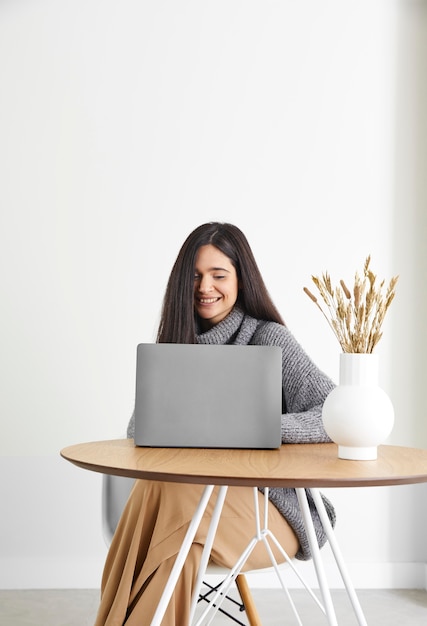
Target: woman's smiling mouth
x,y
207,300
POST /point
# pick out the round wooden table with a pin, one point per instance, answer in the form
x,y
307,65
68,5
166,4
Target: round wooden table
x,y
301,466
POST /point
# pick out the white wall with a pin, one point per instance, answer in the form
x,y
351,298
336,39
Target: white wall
x,y
125,125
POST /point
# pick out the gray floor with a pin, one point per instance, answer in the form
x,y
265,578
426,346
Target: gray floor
x,y
78,608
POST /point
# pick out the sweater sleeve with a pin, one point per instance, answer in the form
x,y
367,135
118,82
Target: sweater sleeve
x,y
305,388
130,432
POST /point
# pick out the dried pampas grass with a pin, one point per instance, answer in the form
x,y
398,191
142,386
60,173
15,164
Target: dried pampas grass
x,y
355,317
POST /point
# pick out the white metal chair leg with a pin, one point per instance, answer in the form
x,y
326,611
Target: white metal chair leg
x,y
220,594
181,556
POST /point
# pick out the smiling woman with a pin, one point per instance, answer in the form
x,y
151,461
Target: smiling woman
x,y
215,262
215,295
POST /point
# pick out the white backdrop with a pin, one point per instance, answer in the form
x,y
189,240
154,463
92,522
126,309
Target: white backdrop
x,y
125,125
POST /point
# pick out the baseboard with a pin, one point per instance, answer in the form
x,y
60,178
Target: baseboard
x,y
57,573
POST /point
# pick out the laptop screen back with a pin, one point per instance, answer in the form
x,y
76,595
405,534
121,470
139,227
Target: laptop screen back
x,y
208,396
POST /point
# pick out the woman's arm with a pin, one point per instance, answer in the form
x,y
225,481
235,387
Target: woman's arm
x,y
305,387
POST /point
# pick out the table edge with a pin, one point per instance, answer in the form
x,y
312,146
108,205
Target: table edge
x,y
336,483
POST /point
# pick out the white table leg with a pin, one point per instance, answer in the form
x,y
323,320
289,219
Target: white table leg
x,y
181,556
338,556
317,559
208,547
260,535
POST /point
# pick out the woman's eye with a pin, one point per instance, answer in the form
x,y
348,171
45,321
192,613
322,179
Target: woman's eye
x,y
215,277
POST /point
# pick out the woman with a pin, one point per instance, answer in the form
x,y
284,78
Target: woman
x,y
215,295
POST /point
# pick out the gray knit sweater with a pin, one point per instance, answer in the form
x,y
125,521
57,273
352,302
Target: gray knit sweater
x,y
305,388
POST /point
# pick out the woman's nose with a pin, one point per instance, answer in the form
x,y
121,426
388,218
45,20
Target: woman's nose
x,y
205,285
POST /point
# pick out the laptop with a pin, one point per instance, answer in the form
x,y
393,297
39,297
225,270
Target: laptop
x,y
208,396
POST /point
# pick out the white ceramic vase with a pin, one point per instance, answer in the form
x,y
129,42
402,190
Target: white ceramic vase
x,y
358,415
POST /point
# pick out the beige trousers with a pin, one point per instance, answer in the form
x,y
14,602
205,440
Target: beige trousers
x,y
149,536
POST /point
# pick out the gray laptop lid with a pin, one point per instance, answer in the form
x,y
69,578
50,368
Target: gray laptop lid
x,y
208,396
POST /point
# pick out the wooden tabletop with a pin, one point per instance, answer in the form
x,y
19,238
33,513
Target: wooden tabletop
x,y
301,465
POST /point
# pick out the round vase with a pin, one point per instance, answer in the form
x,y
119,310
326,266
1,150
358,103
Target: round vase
x,y
358,415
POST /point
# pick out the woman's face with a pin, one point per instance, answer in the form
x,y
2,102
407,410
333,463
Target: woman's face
x,y
216,286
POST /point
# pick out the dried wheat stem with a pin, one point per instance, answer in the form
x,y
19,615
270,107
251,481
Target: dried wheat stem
x,y
356,316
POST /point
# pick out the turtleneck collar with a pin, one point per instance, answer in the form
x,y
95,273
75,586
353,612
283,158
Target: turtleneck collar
x,y
237,328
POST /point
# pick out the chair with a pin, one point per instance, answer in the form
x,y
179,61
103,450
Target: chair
x,y
115,492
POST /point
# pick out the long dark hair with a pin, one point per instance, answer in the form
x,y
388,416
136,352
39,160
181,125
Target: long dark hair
x,y
178,323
